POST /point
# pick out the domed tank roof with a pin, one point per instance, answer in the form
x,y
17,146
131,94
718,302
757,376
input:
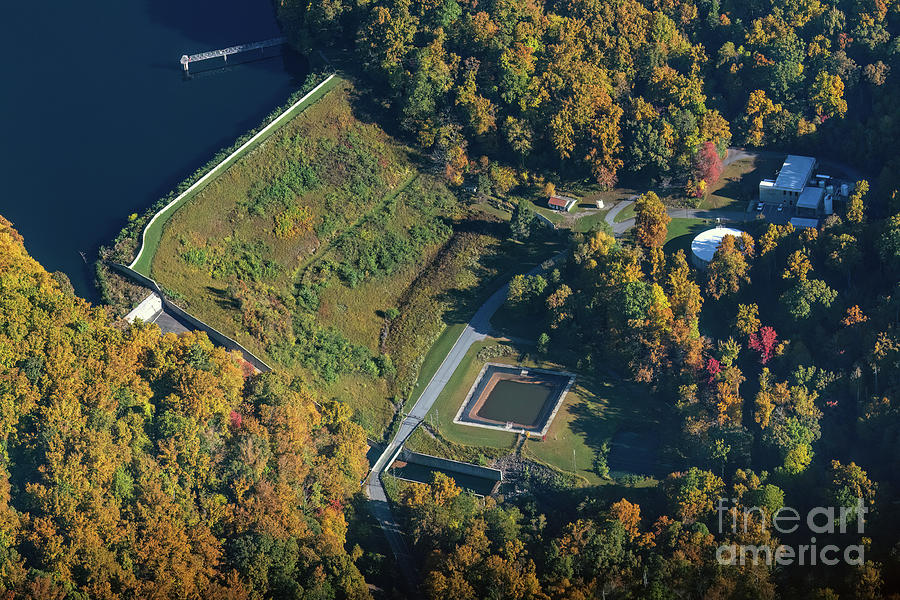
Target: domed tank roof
x,y
707,242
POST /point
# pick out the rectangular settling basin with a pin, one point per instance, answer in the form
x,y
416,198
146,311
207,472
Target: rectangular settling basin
x,y
425,474
515,399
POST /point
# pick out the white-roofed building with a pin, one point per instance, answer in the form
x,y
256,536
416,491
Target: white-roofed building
x,y
704,246
798,191
809,204
795,173
793,178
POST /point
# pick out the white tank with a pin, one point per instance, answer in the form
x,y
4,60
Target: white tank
x,y
705,244
845,190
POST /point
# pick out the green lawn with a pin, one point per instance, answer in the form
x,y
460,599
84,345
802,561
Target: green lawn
x,y
433,360
503,215
590,222
625,214
682,232
540,206
593,411
680,227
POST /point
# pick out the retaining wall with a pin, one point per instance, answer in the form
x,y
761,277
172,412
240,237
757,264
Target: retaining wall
x,y
214,335
545,220
449,465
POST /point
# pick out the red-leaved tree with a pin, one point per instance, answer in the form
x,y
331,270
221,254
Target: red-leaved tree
x,y
707,167
763,341
713,368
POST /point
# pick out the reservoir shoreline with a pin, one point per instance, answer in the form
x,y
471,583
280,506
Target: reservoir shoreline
x,y
129,244
105,123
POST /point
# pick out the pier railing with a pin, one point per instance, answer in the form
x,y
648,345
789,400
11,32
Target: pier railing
x,y
187,59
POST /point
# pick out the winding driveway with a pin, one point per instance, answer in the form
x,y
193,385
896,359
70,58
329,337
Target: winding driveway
x,y
610,217
676,213
734,154
477,329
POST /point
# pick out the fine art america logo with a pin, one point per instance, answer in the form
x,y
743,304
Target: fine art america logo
x,y
821,520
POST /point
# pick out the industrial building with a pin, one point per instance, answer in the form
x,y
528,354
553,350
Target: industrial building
x,y
798,190
792,179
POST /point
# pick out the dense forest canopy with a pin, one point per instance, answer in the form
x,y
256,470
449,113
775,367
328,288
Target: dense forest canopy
x,y
780,361
608,87
141,465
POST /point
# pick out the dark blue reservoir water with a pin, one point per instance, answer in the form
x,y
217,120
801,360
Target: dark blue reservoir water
x,y
97,121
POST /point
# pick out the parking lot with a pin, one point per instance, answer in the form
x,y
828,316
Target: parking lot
x,y
772,214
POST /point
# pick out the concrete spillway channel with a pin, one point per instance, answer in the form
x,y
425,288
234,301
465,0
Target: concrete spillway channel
x,y
413,466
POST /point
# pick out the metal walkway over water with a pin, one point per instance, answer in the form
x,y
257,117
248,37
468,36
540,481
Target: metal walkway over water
x,y
187,59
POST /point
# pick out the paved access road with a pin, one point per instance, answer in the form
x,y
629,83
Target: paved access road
x,y
676,213
477,329
684,213
610,217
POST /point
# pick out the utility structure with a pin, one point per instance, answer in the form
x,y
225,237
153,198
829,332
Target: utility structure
x,y
187,59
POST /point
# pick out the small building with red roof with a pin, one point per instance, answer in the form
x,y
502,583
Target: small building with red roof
x,y
561,203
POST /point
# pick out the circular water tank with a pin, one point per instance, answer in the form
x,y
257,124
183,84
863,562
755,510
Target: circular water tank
x,y
707,242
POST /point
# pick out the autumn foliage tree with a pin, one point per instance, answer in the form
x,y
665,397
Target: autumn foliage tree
x,y
828,96
761,119
729,267
850,486
693,493
856,208
763,341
